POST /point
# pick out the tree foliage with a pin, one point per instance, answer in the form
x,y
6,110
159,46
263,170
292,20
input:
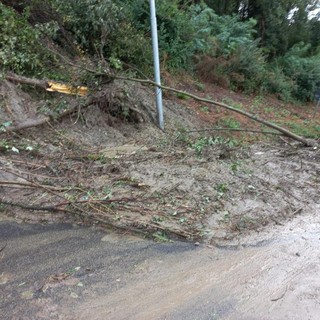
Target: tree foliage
x,y
250,45
20,50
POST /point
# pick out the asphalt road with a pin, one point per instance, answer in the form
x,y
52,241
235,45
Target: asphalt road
x,y
46,269
60,271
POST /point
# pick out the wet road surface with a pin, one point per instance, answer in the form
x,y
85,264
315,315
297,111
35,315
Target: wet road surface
x,y
60,271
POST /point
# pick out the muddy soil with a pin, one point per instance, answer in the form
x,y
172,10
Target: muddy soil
x,y
221,195
95,168
273,279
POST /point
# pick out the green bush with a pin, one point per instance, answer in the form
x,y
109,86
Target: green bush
x,y
90,21
303,69
180,32
20,47
234,57
231,33
104,29
247,61
276,82
121,30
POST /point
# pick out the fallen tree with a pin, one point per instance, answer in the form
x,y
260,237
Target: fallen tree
x,y
45,85
82,92
285,132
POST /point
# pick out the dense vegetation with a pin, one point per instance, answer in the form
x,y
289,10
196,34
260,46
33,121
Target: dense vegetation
x,y
251,45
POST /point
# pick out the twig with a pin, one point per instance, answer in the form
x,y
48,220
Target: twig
x,y
32,185
169,190
36,174
57,207
3,247
97,201
35,208
26,163
279,298
51,191
296,211
134,68
287,142
183,234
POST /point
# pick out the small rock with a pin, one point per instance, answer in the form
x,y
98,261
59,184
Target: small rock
x,y
197,244
298,254
27,295
4,278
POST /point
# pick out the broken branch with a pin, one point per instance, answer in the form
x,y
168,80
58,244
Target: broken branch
x,y
20,79
34,208
284,131
32,185
44,84
237,129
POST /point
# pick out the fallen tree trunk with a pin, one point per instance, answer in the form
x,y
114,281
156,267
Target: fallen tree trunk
x,y
33,82
30,123
27,124
237,130
284,131
48,85
45,84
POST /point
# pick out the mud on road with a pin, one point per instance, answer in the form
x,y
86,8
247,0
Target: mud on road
x,y
64,272
102,169
166,192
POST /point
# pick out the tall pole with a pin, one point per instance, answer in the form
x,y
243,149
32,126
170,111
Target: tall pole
x,y
156,63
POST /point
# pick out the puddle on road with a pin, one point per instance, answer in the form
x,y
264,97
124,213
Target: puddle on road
x,y
274,279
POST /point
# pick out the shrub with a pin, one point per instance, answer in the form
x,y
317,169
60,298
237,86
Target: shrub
x,y
234,55
179,33
20,47
247,66
103,28
303,69
276,82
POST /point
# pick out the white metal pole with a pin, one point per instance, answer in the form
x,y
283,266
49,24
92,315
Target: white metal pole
x,y
156,63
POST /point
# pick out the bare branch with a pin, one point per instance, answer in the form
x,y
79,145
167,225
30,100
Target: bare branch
x,y
237,129
284,131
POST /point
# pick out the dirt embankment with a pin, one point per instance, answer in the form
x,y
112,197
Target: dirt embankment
x,y
99,167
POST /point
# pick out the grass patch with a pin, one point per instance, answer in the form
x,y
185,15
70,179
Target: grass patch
x,y
205,109
182,96
306,129
230,123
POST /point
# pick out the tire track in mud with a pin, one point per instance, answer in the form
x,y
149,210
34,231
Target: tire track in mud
x,y
269,275
278,280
